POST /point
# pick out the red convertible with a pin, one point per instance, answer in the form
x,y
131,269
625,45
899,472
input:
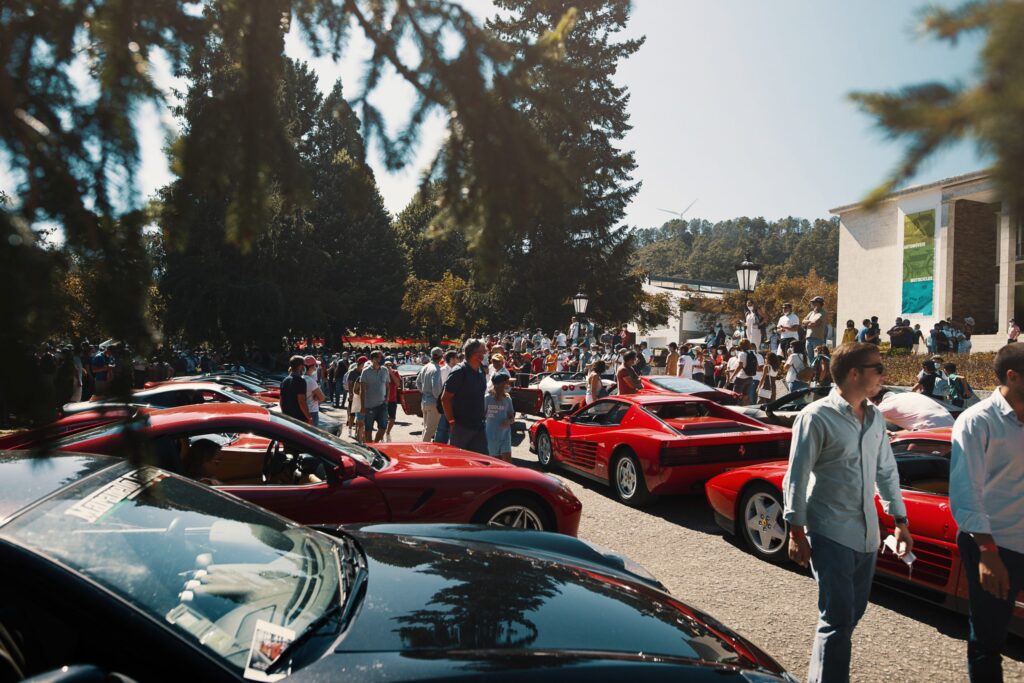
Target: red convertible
x,y
648,444
748,502
313,477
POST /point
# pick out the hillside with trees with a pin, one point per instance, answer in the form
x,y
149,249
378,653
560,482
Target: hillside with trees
x,y
788,247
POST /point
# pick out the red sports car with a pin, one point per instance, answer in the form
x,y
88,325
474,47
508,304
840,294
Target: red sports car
x,y
649,444
71,424
270,393
669,384
316,478
748,502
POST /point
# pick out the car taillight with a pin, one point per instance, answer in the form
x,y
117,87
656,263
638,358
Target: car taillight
x,y
677,455
567,387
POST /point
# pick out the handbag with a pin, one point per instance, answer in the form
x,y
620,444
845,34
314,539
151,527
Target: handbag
x,y
805,375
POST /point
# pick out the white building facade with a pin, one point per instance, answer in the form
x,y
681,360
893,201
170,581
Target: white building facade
x,y
683,324
948,249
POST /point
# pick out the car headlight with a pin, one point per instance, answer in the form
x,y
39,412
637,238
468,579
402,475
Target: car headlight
x,y
629,565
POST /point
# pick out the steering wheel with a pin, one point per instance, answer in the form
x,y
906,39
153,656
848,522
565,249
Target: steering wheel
x,y
273,449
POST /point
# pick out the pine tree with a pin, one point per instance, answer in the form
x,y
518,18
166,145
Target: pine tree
x,y
575,241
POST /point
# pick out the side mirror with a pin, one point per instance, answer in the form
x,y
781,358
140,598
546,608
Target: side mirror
x,y
346,469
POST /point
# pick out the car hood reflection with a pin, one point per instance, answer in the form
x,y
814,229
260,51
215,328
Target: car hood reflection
x,y
434,595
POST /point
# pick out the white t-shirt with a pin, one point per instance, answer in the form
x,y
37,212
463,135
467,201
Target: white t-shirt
x,y
561,339
734,361
741,359
686,366
790,319
794,364
911,410
545,343
312,385
648,353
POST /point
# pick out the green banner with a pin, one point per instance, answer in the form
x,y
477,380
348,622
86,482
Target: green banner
x,y
918,262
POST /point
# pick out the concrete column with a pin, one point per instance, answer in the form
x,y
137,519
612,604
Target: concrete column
x,y
944,260
1007,270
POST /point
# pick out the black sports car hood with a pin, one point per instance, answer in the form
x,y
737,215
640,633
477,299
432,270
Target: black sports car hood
x,y
427,597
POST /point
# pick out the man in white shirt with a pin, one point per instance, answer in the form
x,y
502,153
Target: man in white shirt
x,y
560,339
986,477
789,328
545,343
911,410
686,364
731,365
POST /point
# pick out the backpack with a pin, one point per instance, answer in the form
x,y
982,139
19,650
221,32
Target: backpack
x,y
957,389
750,364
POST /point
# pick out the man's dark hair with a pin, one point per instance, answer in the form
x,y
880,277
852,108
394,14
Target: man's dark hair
x,y
1010,357
296,362
471,346
849,356
376,353
629,355
950,368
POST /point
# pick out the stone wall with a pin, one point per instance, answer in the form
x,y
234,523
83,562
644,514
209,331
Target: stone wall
x,y
974,259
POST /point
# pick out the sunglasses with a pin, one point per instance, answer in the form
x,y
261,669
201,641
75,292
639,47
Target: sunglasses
x,y
875,366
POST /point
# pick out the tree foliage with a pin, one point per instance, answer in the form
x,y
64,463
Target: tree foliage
x,y
329,264
573,241
438,308
73,75
769,297
698,249
989,110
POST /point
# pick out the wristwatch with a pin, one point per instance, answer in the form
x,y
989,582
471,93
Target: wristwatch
x,y
900,520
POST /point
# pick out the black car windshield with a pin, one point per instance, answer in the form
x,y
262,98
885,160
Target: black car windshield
x,y
680,385
239,582
361,453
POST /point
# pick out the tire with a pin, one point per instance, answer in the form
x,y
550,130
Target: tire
x,y
516,510
759,523
627,480
547,407
544,444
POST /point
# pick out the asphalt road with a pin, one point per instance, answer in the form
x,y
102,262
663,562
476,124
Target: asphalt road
x,y
899,639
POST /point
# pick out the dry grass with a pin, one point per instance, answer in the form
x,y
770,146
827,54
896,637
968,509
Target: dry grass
x,y
976,367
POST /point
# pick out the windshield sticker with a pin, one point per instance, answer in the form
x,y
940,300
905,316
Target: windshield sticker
x,y
94,506
268,642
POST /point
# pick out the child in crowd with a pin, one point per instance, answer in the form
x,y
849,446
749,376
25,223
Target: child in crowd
x,y
499,413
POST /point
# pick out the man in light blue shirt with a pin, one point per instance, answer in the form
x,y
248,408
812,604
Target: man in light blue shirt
x,y
428,381
840,452
986,497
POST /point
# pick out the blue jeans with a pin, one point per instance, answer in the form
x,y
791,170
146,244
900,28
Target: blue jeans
x,y
316,419
844,584
797,386
443,430
990,616
810,343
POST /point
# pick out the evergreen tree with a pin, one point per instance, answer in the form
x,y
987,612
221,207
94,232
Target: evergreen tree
x,y
574,242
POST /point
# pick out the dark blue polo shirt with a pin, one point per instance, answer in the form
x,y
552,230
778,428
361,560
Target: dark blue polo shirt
x,y
467,387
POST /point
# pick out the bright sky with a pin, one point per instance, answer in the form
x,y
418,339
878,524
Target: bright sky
x,y
738,105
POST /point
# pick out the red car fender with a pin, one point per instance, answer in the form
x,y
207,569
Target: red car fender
x,y
725,490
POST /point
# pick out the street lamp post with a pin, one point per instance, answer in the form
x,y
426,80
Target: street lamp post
x,y
746,273
579,304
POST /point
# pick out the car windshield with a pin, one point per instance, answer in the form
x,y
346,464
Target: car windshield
x,y
239,582
407,368
361,453
679,385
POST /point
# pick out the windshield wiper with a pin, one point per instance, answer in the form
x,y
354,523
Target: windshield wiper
x,y
342,608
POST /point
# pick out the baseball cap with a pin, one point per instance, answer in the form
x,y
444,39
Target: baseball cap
x,y
309,360
362,359
499,378
818,298
498,356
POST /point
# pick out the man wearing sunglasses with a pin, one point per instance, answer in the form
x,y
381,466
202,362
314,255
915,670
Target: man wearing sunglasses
x,y
841,441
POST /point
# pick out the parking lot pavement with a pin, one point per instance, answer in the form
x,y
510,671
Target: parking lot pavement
x,y
899,639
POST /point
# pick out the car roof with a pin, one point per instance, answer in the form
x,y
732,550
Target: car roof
x,y
205,411
182,386
26,476
937,434
653,398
